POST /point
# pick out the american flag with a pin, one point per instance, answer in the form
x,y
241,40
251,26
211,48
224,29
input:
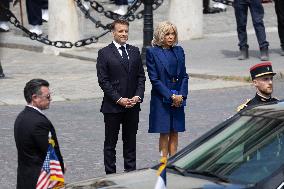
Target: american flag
x,y
51,175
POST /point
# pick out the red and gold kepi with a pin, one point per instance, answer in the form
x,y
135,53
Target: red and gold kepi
x,y
258,70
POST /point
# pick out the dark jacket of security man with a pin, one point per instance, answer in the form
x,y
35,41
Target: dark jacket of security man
x,y
31,132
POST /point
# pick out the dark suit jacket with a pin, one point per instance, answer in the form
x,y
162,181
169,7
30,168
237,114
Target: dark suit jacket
x,y
159,75
116,80
31,131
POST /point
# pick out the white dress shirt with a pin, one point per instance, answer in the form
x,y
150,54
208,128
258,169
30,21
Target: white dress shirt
x,y
117,45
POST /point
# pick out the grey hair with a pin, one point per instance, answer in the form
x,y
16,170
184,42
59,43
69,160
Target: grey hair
x,y
161,30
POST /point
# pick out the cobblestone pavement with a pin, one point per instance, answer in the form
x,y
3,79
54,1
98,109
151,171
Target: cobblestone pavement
x,y
80,129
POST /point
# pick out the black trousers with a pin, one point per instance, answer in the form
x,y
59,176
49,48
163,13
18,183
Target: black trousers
x,y
257,13
121,2
129,121
206,4
34,8
279,9
6,4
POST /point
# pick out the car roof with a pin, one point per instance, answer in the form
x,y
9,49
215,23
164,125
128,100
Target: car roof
x,y
271,110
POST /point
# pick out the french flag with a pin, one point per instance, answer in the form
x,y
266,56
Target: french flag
x,y
162,175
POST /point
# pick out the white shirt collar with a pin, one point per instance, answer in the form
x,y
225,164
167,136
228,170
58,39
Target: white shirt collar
x,y
31,106
117,45
263,96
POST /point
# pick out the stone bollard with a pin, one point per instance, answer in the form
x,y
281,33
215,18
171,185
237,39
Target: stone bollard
x,y
62,24
2,75
188,17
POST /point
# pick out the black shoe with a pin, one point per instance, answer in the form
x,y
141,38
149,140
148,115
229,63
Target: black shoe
x,y
264,54
244,54
211,10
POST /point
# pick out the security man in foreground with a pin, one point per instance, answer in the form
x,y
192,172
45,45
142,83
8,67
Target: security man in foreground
x,y
262,78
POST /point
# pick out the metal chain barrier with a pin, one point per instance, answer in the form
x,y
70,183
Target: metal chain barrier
x,y
109,14
156,5
130,16
98,7
40,38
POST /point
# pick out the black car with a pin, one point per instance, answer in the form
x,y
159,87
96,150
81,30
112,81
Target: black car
x,y
244,152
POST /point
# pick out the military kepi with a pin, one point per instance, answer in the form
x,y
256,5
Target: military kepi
x,y
264,68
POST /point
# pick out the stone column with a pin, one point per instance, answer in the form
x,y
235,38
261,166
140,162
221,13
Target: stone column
x,y
188,17
62,24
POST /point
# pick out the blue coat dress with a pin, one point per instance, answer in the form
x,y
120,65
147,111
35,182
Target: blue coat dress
x,y
163,117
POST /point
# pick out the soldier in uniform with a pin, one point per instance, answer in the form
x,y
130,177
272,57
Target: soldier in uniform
x,y
262,78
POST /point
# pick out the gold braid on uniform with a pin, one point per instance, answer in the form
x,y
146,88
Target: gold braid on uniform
x,y
242,106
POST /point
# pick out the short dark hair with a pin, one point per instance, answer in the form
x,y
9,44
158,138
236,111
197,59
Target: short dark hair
x,y
119,21
33,87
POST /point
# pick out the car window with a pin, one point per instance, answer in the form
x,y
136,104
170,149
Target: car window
x,y
248,150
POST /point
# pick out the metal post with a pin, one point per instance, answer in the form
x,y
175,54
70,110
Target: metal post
x,y
147,28
2,75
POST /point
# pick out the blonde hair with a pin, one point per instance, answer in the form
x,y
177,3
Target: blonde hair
x,y
161,30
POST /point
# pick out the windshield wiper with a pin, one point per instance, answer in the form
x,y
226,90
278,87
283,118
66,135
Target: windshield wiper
x,y
181,171
209,174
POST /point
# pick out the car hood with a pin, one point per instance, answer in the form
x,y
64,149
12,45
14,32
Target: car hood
x,y
146,179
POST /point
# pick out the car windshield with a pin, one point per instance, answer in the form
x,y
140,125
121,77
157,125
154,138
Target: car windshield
x,y
247,151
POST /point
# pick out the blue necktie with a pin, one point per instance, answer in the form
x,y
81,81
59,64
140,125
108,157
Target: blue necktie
x,y
124,56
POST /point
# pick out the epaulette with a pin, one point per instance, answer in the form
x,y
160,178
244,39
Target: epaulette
x,y
242,106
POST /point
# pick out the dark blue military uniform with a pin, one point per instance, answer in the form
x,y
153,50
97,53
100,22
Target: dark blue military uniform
x,y
257,100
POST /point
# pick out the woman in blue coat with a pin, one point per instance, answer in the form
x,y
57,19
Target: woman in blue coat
x,y
167,72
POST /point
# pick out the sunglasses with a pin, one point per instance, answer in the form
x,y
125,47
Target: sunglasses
x,y
48,96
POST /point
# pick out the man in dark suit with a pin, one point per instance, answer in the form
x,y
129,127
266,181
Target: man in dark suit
x,y
31,132
121,76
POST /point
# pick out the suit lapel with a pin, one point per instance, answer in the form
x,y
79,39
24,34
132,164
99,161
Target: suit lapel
x,y
131,56
118,56
179,61
163,59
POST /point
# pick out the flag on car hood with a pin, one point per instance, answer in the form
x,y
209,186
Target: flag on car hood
x,y
162,175
51,175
